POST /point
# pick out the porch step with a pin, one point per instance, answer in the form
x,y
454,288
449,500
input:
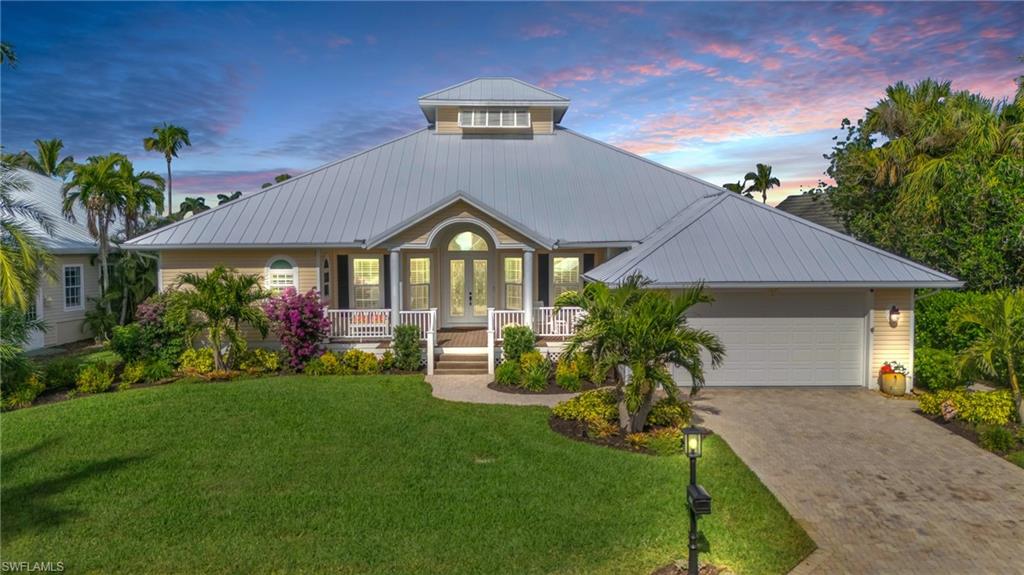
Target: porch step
x,y
451,364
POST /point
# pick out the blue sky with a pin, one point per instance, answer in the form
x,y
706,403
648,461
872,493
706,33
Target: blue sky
x,y
269,87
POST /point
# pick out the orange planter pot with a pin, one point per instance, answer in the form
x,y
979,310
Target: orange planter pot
x,y
893,383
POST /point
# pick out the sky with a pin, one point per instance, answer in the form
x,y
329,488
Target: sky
x,y
264,88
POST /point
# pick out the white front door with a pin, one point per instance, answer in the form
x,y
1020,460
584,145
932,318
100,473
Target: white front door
x,y
35,311
467,292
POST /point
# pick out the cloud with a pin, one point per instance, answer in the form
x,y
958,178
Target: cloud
x,y
338,41
836,42
535,31
997,33
729,51
345,133
635,9
212,182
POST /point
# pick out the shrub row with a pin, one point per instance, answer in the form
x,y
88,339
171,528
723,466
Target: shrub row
x,y
980,407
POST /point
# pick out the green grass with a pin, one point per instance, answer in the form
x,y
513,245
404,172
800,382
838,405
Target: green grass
x,y
356,475
1016,458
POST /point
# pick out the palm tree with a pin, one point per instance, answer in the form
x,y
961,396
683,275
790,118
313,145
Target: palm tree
x,y
762,181
7,55
47,160
97,186
739,188
225,198
143,193
643,330
1000,315
219,302
22,256
167,139
194,205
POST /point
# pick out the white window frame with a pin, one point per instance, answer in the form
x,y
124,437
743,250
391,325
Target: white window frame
x,y
81,286
352,280
505,283
429,284
551,282
325,278
481,112
267,271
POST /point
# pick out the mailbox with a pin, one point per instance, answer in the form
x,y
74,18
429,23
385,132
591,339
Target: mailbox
x,y
698,499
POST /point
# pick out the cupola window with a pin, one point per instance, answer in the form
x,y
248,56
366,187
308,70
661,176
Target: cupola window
x,y
494,118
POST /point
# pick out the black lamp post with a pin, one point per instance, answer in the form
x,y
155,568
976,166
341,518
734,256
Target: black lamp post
x,y
697,497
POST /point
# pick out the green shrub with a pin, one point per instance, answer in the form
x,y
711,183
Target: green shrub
x,y
996,438
508,373
257,361
360,362
567,375
935,369
157,369
130,342
24,393
593,405
134,372
518,339
328,363
95,378
535,374
670,412
406,345
981,407
931,321
61,373
197,361
387,360
665,441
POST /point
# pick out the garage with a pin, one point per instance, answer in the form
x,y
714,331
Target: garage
x,y
787,338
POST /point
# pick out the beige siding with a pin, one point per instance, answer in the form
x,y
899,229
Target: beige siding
x,y
174,263
888,342
65,326
418,232
542,120
447,122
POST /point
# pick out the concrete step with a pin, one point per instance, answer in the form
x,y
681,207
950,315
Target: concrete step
x,y
461,363
460,370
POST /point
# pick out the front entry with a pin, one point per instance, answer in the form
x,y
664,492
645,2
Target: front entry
x,y
467,292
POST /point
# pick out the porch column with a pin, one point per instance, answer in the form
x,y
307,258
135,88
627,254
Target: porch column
x,y
396,295
528,296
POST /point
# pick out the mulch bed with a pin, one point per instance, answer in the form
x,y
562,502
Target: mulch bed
x,y
966,430
551,389
680,569
577,431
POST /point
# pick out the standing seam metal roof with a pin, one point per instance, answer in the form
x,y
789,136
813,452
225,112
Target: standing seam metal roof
x,y
47,195
497,89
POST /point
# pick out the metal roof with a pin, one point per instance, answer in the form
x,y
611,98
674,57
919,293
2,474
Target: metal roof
x,y
493,92
814,207
47,195
725,240
565,186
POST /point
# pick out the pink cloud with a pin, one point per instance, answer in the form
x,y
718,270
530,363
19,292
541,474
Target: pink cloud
x,y
871,8
997,33
634,9
541,31
371,39
838,43
570,75
338,41
728,51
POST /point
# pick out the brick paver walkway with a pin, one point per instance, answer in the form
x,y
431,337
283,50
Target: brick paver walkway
x,y
878,487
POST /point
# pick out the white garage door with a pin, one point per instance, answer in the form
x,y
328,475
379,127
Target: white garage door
x,y
786,339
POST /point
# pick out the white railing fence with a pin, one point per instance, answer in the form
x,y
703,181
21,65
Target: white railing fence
x,y
504,318
423,319
360,323
549,322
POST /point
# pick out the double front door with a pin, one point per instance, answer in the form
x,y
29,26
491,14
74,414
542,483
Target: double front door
x,y
467,276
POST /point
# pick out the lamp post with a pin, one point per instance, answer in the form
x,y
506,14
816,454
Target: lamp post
x,y
697,498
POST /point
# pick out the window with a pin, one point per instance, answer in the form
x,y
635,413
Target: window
x,y
325,280
494,118
73,287
281,274
366,283
513,283
419,283
467,242
566,276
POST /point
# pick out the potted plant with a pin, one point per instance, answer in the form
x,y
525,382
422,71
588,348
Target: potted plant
x,y
893,378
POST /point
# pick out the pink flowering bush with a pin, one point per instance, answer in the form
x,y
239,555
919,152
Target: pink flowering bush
x,y
300,323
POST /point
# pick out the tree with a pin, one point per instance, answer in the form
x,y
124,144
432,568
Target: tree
x,y
134,274
98,186
47,160
22,256
220,302
1000,317
762,181
225,198
277,180
643,330
7,55
936,175
142,194
194,205
167,139
739,188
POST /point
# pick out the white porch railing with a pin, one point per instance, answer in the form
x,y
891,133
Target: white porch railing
x,y
423,319
548,322
360,323
504,318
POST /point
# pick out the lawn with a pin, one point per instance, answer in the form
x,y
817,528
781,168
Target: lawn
x,y
356,475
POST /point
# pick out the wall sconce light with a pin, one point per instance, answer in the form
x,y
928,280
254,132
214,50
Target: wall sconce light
x,y
894,316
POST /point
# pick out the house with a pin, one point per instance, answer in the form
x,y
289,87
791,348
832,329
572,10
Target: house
x,y
484,215
63,297
813,207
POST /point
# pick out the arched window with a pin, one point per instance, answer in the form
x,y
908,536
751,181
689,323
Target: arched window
x,y
467,242
281,273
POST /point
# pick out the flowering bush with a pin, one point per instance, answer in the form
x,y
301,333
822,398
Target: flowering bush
x,y
299,322
893,367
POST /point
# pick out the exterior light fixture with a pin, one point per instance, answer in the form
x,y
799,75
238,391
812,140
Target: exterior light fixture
x,y
894,316
697,498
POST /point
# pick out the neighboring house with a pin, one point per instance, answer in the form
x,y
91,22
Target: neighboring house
x,y
62,300
483,216
816,208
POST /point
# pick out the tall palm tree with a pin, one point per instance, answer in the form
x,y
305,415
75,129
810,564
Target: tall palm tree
x,y
97,186
762,181
22,255
167,139
7,55
47,160
225,198
194,205
739,188
143,193
644,330
1000,315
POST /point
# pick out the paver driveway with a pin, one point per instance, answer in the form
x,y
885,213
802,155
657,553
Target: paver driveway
x,y
878,487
